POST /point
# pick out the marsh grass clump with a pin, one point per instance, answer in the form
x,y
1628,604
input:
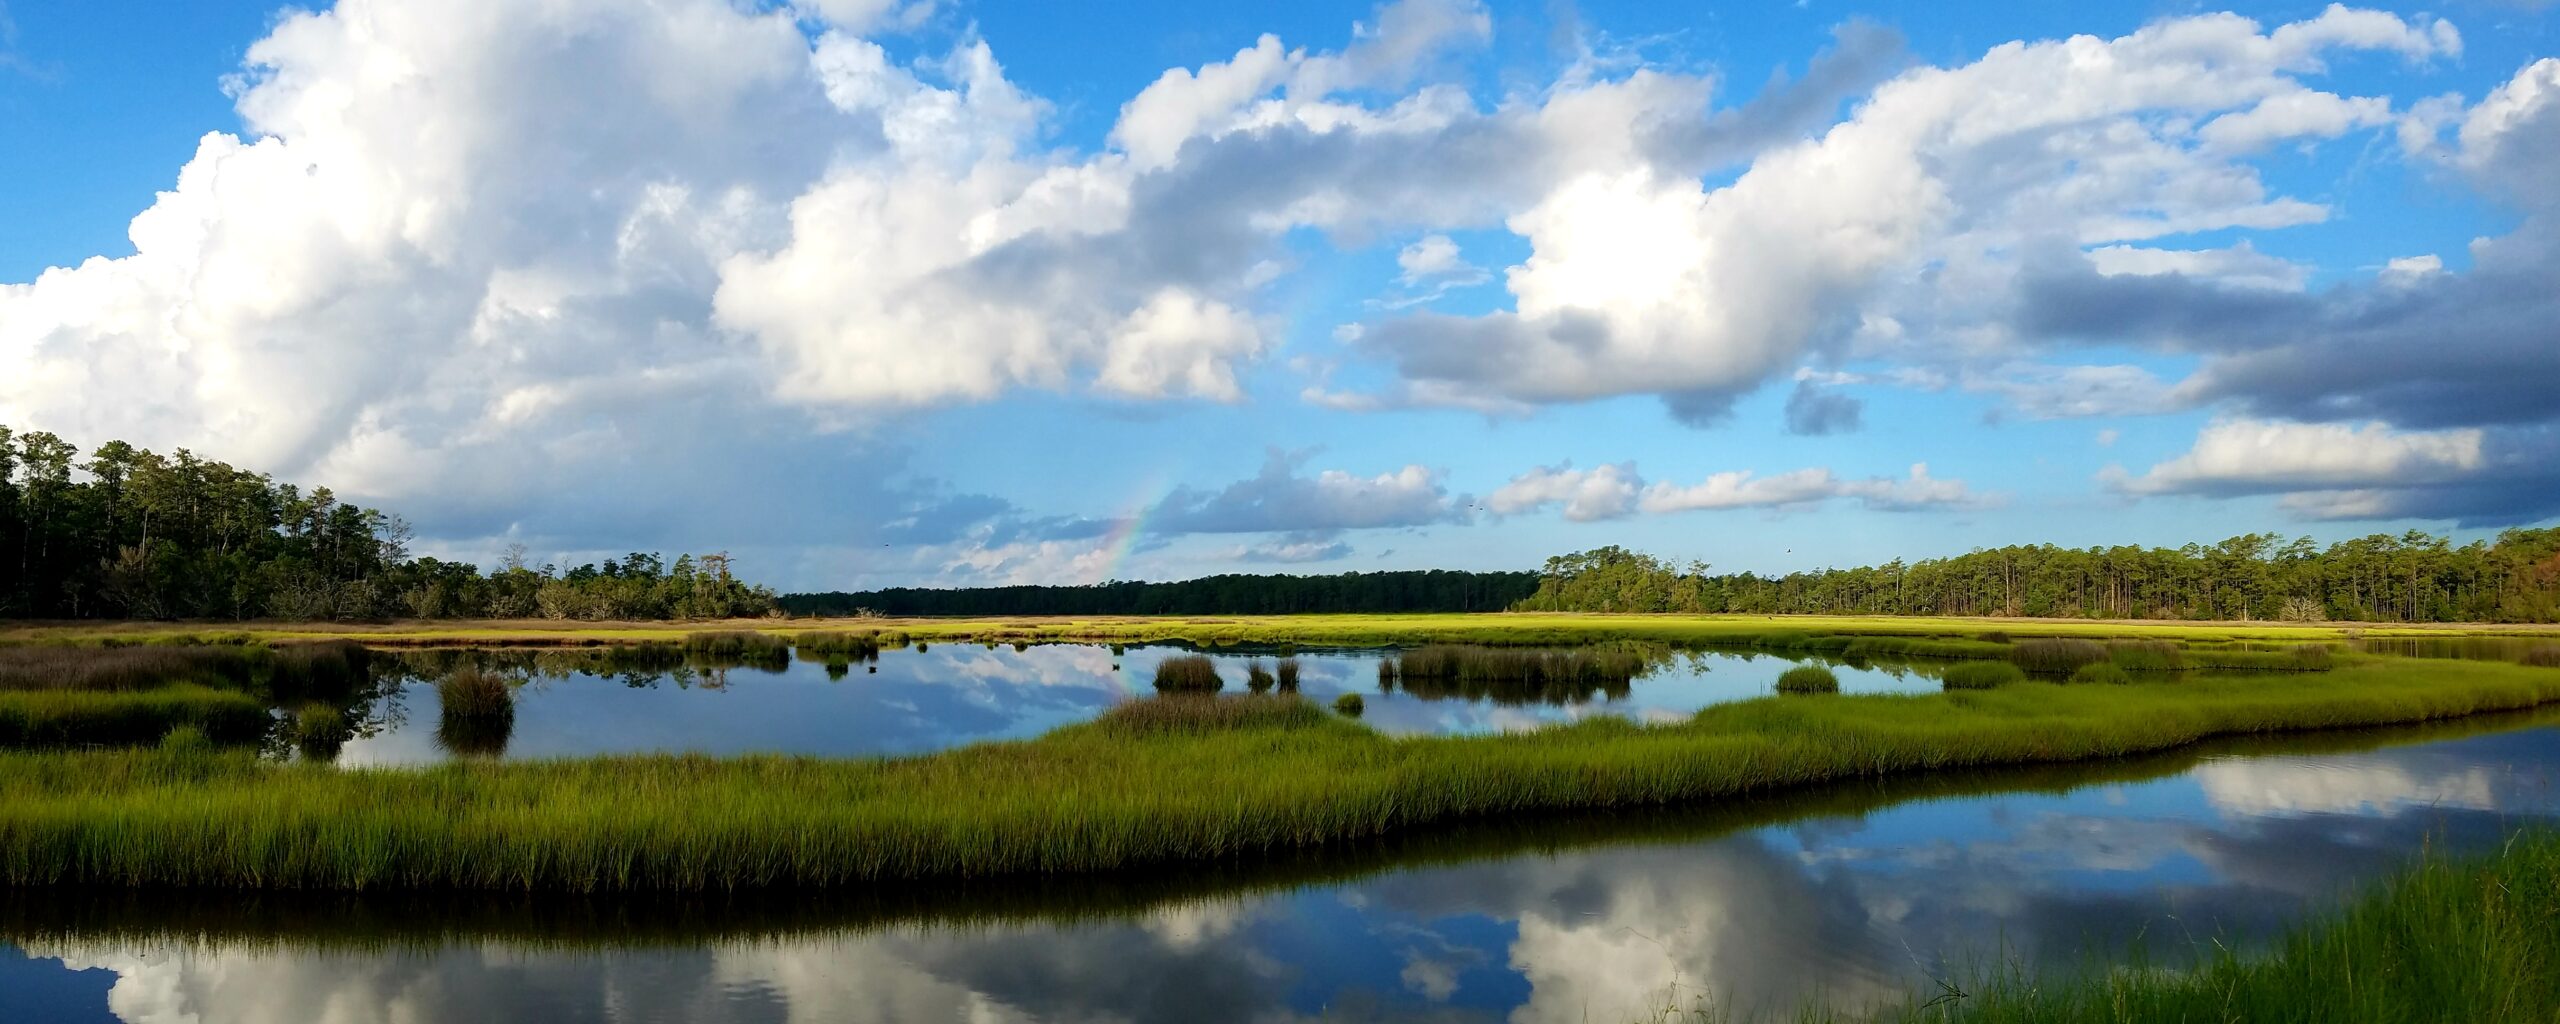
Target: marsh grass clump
x,y
2298,658
472,693
1993,636
2106,672
861,646
2055,656
2145,656
1289,673
744,646
1204,713
1258,679
2542,656
319,730
1808,679
185,741
1350,705
1595,664
1188,673
1983,675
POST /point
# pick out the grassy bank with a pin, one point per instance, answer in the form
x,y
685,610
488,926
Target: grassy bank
x,y
2473,939
1092,797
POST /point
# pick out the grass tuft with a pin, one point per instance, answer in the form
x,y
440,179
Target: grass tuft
x,y
1289,674
1983,675
1808,679
475,693
1258,679
2104,672
2056,656
1350,704
1188,673
2145,656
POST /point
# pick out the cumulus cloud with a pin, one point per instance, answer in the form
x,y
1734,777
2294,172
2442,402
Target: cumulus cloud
x,y
1642,280
2367,471
2253,456
2418,346
1280,500
1616,491
1605,492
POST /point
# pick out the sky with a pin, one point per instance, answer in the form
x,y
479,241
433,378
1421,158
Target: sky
x,y
963,292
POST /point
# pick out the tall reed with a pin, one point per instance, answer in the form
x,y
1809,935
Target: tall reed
x,y
1289,674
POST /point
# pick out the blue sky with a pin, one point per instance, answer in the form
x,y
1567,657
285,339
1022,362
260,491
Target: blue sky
x,y
872,292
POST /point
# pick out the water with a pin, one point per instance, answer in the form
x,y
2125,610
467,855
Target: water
x,y
579,704
1842,895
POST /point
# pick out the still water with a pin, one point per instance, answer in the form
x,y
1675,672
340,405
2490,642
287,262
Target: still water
x,y
578,703
1842,895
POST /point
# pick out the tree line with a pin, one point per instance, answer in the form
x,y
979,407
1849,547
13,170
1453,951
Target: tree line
x,y
1435,590
2413,577
129,533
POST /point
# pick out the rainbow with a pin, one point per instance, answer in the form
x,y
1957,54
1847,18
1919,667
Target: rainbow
x,y
1122,541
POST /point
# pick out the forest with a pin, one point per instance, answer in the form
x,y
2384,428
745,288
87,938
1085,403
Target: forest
x,y
2412,577
1435,590
134,534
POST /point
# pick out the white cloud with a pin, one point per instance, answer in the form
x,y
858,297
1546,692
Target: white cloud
x,y
1278,500
1615,491
2257,456
1643,281
2241,265
1607,492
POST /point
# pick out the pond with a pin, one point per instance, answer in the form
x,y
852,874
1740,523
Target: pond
x,y
584,702
1840,895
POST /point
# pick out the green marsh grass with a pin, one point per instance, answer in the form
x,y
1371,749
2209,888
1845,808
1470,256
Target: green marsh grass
x,y
1288,673
1259,679
1350,705
1808,679
2056,656
1982,675
1088,798
1206,713
1188,673
2146,656
2104,673
61,717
